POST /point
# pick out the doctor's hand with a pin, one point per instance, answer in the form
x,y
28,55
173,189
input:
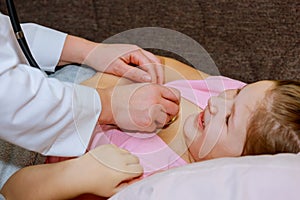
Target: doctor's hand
x,y
125,60
139,107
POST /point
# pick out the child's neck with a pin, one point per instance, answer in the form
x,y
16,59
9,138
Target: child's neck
x,y
173,135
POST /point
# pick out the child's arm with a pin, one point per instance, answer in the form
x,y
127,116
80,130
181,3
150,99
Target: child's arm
x,y
176,70
103,171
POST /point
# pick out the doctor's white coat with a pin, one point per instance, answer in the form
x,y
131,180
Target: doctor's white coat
x,y
39,113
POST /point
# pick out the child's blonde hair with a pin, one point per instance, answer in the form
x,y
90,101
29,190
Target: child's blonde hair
x,y
275,126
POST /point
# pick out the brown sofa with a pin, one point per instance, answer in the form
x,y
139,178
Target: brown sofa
x,y
248,40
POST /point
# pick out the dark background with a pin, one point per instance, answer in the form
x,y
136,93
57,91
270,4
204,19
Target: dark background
x,y
249,40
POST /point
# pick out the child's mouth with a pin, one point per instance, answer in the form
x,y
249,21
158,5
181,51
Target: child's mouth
x,y
201,121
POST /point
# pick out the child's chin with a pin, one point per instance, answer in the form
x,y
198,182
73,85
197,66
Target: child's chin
x,y
190,129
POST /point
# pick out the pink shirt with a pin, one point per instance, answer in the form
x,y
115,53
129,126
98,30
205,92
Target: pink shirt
x,y
153,153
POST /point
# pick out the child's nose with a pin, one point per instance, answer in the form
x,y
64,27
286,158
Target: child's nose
x,y
212,105
217,104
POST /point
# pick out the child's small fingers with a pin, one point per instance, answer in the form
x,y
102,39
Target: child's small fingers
x,y
124,151
132,159
120,187
134,170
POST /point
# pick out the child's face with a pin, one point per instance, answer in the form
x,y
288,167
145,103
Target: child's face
x,y
220,130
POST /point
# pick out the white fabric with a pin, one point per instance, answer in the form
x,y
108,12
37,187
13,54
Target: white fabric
x,y
246,178
39,113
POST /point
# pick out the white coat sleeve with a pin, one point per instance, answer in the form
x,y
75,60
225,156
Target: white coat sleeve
x,y
39,113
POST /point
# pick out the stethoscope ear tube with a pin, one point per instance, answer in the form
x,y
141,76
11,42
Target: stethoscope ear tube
x,y
19,33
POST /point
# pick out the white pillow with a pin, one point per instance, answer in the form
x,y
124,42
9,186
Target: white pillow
x,y
245,178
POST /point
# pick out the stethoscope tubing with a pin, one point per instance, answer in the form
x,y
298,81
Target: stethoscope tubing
x,y
19,33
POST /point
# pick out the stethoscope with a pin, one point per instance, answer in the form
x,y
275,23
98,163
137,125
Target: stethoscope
x,y
19,33
22,41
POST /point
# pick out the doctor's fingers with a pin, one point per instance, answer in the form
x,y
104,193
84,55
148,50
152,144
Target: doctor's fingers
x,y
170,100
148,63
122,69
170,94
160,72
159,116
169,107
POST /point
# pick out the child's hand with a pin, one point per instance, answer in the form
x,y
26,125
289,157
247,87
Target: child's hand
x,y
107,169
